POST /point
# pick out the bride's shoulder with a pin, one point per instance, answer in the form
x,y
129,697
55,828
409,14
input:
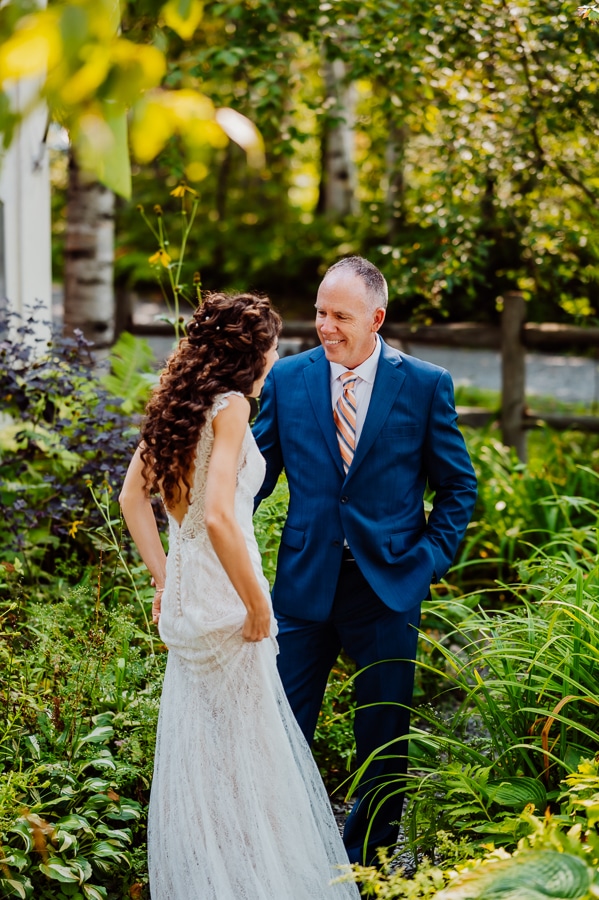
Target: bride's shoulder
x,y
233,400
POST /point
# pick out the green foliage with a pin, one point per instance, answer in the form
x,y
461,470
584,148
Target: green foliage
x,y
79,706
269,519
556,856
132,372
526,683
388,881
474,153
508,670
521,507
60,432
334,745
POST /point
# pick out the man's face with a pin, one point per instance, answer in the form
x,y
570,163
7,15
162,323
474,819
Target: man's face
x,y
345,321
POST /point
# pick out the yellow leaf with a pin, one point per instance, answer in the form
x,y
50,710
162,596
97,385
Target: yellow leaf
x,y
136,68
86,80
184,26
199,133
241,130
189,106
153,123
32,49
100,139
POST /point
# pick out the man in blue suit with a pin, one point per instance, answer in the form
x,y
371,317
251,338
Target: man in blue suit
x,y
358,554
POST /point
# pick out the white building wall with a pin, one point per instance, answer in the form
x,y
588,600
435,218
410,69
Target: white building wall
x,y
25,254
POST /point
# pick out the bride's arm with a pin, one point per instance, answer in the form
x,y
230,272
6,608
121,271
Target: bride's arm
x,y
139,516
223,529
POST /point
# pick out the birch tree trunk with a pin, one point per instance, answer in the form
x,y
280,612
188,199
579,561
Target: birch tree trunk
x,y
338,180
396,184
89,302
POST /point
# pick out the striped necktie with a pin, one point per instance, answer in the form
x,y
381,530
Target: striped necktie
x,y
345,418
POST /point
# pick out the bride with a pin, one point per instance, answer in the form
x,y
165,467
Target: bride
x,y
238,810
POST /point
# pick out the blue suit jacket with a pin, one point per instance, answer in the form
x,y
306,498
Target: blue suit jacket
x,y
410,436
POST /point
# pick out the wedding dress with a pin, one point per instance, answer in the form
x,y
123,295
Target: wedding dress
x,y
238,810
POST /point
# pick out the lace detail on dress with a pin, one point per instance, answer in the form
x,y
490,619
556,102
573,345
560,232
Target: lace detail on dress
x,y
238,810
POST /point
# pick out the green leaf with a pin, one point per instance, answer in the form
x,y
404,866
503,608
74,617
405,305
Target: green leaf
x,y
106,850
107,161
64,840
34,746
13,888
16,859
94,892
517,792
73,822
58,872
83,866
99,762
21,828
532,875
100,734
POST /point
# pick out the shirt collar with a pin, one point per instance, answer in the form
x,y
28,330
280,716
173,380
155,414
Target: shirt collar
x,y
366,370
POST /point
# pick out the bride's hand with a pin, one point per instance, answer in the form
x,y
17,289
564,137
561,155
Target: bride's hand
x,y
257,624
158,592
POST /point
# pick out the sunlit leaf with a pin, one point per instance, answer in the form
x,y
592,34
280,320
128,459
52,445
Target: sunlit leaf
x,y
152,124
183,16
32,49
136,69
86,80
103,152
241,130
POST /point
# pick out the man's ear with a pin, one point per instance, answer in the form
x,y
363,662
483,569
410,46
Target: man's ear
x,y
379,318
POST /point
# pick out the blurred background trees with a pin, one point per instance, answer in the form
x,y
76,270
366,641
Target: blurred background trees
x,y
454,144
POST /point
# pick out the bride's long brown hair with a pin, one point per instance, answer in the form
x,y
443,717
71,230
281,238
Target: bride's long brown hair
x,y
225,349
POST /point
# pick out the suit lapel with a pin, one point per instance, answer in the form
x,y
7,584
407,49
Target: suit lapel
x,y
318,384
387,383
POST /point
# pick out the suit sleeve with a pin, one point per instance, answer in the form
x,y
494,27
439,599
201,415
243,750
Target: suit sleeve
x,y
451,475
266,433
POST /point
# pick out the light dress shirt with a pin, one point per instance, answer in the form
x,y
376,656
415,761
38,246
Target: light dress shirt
x,y
366,373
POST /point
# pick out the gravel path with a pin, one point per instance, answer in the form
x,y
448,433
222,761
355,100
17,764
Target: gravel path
x,y
570,379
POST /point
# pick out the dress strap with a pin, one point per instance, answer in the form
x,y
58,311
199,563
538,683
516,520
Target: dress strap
x,y
221,401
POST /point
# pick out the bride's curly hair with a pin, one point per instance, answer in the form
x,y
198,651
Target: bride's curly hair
x,y
225,349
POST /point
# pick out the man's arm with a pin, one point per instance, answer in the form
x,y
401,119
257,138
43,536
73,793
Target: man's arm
x,y
450,474
266,433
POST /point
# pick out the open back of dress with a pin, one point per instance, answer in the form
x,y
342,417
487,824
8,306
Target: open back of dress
x,y
238,810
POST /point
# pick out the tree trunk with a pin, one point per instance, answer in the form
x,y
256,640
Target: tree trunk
x,y
396,185
338,182
89,302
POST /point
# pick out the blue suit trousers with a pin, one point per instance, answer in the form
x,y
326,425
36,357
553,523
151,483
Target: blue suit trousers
x,y
368,631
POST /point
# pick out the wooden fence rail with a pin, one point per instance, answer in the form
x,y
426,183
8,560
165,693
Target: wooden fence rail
x,y
512,338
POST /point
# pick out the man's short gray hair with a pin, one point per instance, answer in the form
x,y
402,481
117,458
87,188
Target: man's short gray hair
x,y
376,286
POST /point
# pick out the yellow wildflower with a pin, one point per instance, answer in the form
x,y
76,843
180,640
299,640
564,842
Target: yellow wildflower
x,y
162,257
74,526
183,189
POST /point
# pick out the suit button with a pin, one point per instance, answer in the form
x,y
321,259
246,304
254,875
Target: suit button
x,y
336,543
344,499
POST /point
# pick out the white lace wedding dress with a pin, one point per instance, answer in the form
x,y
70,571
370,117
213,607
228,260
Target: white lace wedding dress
x,y
238,810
